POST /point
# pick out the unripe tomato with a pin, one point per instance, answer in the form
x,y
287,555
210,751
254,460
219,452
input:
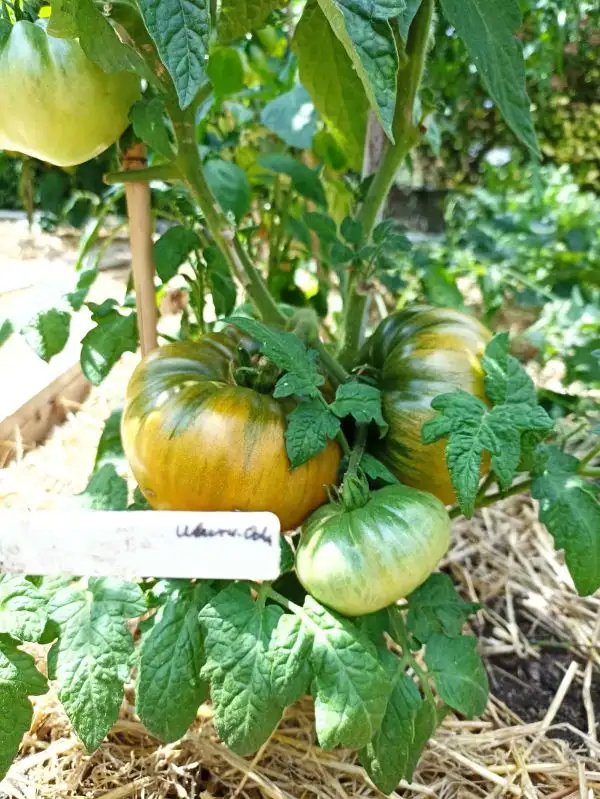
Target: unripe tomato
x,y
422,352
359,561
197,441
56,104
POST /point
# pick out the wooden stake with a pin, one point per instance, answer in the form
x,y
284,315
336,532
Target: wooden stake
x,y
140,235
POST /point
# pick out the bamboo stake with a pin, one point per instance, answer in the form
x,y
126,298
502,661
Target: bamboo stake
x,y
140,236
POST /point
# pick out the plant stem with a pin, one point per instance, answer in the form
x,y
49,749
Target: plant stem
x,y
590,472
490,499
401,635
590,456
406,135
331,365
358,449
159,172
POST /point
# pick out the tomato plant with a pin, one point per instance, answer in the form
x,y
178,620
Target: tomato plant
x,y
305,367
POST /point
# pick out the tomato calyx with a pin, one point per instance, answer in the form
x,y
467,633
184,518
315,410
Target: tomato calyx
x,y
255,372
354,493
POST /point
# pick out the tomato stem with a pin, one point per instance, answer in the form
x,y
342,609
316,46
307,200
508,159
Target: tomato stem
x,y
401,636
358,449
490,499
590,456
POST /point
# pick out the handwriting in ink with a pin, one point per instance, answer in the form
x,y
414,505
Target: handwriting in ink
x,y
200,531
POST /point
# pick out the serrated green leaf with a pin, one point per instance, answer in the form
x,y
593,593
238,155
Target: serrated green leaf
x,y
225,71
22,608
340,253
584,363
436,607
340,99
173,249
486,27
505,379
459,672
375,469
238,17
19,679
295,385
85,281
361,401
48,332
292,117
304,179
229,183
169,688
323,225
222,287
91,659
287,556
441,289
106,490
238,635
148,117
570,510
350,687
104,344
181,33
6,331
425,725
291,648
351,230
386,756
364,30
309,427
110,446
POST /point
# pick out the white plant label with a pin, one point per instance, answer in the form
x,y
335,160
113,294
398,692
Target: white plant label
x,y
219,546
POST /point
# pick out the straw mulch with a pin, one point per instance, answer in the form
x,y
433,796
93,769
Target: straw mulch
x,y
541,643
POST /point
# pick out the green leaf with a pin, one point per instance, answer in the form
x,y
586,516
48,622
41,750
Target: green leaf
x,y
19,679
425,725
340,253
291,648
229,183
350,686
110,446
85,281
91,659
569,509
436,607
583,364
486,27
290,385
471,429
323,225
375,469
505,379
237,641
238,17
287,558
222,287
226,71
181,34
363,28
106,490
148,117
285,349
22,608
304,179
6,331
459,672
351,230
48,332
406,17
169,688
386,757
361,401
441,289
340,99
292,117
173,249
309,427
104,344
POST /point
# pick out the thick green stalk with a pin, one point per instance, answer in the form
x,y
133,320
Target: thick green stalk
x,y
406,135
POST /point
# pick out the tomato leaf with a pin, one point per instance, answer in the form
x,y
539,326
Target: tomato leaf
x,y
486,27
110,446
387,755
173,249
6,331
570,510
292,117
290,385
376,470
238,17
229,183
106,490
364,30
19,679
148,117
350,687
239,664
287,556
340,99
22,608
309,427
425,724
459,673
181,33
436,607
505,379
85,281
361,401
291,647
226,71
169,688
351,230
222,287
104,344
91,659
48,332
304,179
406,17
